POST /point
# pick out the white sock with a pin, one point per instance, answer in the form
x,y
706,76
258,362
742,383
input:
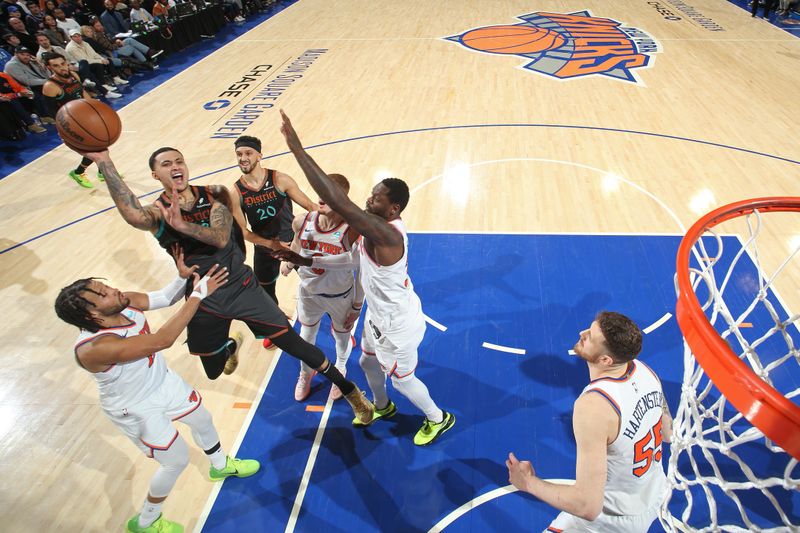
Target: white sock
x,y
343,348
218,459
308,334
416,391
150,512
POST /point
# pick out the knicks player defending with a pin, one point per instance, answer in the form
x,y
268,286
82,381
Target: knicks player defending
x,y
620,421
137,390
199,220
263,197
395,324
336,293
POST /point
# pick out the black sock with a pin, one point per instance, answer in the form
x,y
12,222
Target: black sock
x,y
291,343
333,375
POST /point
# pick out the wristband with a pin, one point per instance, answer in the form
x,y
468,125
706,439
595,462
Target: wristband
x,y
201,289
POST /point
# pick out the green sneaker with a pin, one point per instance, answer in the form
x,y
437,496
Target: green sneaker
x,y
161,525
235,467
387,412
429,431
101,177
80,179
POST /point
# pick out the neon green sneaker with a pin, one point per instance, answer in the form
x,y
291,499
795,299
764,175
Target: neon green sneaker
x,y
387,412
429,431
161,525
101,177
80,179
235,467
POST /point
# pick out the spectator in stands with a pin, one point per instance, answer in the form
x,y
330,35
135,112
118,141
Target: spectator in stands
x,y
55,35
26,39
124,48
113,21
5,7
768,6
10,42
68,25
24,68
138,13
91,65
50,7
161,7
12,93
46,46
35,21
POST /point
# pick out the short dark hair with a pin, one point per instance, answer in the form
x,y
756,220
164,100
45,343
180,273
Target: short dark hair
x,y
623,336
50,56
249,141
73,308
398,192
341,181
152,160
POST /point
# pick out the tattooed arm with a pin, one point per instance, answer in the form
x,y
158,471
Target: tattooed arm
x,y
220,222
143,218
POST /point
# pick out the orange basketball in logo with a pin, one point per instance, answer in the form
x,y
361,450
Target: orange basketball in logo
x,y
512,39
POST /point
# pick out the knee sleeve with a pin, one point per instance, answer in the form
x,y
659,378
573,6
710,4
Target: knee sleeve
x,y
203,431
173,461
415,390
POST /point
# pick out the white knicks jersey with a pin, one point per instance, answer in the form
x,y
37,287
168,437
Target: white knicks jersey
x,y
317,243
124,384
393,304
635,481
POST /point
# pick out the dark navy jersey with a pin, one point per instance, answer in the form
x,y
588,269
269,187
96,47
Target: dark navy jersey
x,y
268,209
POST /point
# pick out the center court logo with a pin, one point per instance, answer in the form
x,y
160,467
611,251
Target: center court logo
x,y
567,45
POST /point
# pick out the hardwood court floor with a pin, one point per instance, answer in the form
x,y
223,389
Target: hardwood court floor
x,y
484,144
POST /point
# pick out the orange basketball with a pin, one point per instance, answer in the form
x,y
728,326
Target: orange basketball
x,y
512,39
88,125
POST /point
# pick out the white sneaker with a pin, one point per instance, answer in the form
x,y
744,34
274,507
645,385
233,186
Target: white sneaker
x,y
238,18
112,95
89,84
120,81
109,87
303,387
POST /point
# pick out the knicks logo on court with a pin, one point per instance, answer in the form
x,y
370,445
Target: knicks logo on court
x,y
567,45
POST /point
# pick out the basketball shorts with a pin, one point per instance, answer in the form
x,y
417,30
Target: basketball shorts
x,y
148,423
242,300
311,307
396,350
604,523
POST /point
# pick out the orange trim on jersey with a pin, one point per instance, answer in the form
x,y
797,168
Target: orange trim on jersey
x,y
190,411
153,447
554,529
309,325
365,352
625,377
609,398
394,371
261,187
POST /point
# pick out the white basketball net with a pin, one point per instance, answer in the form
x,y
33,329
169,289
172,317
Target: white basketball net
x,y
725,475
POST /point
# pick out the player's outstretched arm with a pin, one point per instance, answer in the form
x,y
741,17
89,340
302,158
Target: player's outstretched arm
x,y
286,183
593,422
111,349
371,226
170,294
220,222
143,218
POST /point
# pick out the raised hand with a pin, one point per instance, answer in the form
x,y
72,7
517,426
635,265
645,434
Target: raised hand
x,y
177,253
172,214
292,140
214,278
520,473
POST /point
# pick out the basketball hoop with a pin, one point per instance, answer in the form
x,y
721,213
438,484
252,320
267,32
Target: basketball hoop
x,y
711,441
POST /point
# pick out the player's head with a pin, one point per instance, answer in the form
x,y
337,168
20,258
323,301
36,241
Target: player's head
x,y
611,339
343,184
388,198
168,167
248,153
86,302
56,63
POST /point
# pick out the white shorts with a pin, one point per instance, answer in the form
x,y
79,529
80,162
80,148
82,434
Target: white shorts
x,y
149,423
311,307
604,523
396,350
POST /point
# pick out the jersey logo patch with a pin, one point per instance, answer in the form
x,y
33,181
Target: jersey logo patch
x,y
193,397
567,45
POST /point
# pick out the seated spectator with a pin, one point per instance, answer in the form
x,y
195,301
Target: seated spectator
x,y
10,42
27,70
46,46
138,13
12,93
55,35
50,7
124,48
35,21
112,20
26,39
68,25
91,65
82,14
9,6
161,7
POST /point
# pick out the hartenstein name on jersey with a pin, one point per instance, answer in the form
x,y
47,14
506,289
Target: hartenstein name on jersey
x,y
322,247
651,400
260,198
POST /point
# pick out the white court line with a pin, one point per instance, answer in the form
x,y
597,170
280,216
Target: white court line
x,y
312,458
435,324
499,348
658,323
480,500
571,352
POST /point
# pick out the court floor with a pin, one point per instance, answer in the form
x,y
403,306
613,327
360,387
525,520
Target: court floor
x,y
546,186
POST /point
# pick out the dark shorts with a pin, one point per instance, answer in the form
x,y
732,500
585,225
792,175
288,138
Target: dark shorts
x,y
242,300
267,268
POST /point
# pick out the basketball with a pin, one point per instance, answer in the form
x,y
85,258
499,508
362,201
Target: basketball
x,y
88,125
512,39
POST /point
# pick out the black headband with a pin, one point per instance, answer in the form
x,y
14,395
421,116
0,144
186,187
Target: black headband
x,y
254,144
